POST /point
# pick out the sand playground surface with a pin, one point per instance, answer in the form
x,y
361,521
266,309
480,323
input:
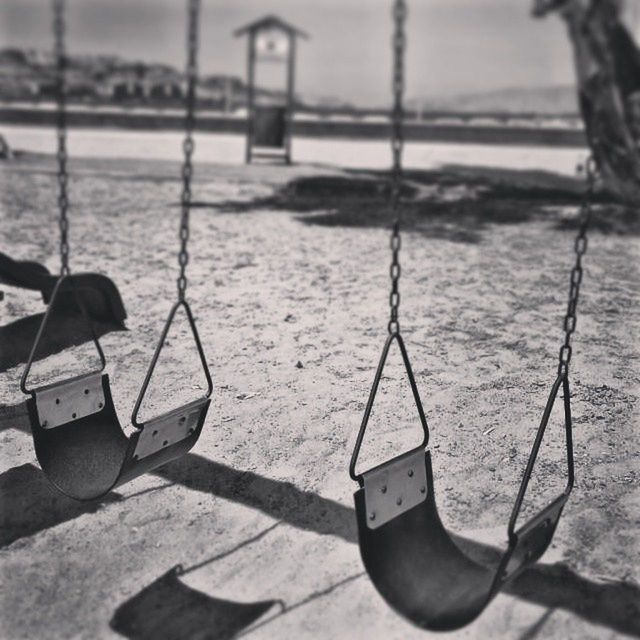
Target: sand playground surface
x,y
288,279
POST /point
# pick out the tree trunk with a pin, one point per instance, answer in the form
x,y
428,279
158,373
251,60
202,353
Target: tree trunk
x,y
607,63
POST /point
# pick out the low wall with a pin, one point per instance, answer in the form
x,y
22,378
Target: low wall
x,y
320,128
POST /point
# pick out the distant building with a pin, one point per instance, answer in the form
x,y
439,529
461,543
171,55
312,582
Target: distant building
x,y
139,83
47,89
31,75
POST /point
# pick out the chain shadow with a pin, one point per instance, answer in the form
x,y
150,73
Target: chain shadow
x,y
286,609
535,629
613,604
168,608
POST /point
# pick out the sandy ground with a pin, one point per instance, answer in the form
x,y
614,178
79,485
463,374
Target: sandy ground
x,y
288,279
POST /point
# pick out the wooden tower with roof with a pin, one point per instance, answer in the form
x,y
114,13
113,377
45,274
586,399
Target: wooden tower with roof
x,y
270,39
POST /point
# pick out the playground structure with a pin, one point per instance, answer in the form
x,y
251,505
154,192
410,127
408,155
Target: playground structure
x,y
411,558
270,40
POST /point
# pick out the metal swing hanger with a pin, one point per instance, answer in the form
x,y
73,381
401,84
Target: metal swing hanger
x,y
188,145
65,280
409,555
78,440
395,205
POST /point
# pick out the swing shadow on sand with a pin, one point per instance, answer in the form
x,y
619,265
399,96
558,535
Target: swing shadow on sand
x,y
455,203
554,586
63,331
168,608
30,505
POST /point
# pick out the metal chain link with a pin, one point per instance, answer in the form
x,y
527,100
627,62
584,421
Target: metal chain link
x,y
188,144
580,248
397,141
61,91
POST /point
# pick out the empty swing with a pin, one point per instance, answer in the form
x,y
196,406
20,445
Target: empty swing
x,y
78,439
409,555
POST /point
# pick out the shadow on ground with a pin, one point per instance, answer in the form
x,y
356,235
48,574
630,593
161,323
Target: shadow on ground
x,y
62,332
455,203
15,416
613,604
169,609
534,630
30,504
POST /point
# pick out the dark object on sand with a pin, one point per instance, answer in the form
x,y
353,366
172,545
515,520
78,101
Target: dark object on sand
x,y
169,609
5,150
98,293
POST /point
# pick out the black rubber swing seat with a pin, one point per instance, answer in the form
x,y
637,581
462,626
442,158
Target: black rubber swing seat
x,y
414,562
78,440
410,556
81,446
98,293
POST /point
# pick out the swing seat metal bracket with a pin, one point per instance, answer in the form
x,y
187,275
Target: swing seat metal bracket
x,y
69,400
169,428
532,539
394,487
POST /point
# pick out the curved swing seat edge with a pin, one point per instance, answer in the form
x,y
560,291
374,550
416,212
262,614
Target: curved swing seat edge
x,y
414,562
81,446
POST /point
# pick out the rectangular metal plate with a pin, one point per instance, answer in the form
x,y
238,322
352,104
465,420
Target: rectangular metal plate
x,y
533,537
395,487
69,400
169,428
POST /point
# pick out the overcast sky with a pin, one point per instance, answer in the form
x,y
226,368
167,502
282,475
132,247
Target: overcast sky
x,y
454,46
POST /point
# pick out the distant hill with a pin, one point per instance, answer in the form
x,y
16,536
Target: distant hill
x,y
543,100
108,79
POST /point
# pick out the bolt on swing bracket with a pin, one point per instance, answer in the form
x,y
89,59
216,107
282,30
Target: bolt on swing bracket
x,y
395,487
169,428
69,400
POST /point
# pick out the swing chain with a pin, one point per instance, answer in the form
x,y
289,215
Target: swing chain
x,y
580,248
63,178
397,141
188,145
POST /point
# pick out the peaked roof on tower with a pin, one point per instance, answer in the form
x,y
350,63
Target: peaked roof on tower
x,y
268,22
